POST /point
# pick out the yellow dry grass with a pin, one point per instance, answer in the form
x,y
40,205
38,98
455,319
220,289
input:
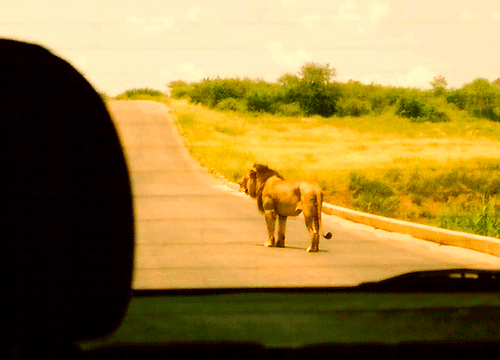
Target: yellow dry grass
x,y
313,144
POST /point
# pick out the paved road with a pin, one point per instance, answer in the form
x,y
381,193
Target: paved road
x,y
194,231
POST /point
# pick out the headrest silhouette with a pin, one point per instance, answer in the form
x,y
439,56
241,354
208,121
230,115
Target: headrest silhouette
x,y
67,228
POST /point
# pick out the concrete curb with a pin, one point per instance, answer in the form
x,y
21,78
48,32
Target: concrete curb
x,y
480,243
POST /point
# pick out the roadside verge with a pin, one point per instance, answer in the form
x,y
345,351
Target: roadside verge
x,y
480,243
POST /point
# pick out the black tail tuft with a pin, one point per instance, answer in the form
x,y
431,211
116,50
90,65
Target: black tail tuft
x,y
328,236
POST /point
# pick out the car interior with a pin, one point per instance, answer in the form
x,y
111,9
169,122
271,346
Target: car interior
x,y
68,255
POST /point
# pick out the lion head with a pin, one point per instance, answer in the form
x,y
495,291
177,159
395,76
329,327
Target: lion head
x,y
248,183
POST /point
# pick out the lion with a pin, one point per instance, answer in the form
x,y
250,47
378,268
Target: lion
x,y
278,198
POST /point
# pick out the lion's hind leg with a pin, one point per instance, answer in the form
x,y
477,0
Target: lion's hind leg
x,y
313,232
270,216
281,231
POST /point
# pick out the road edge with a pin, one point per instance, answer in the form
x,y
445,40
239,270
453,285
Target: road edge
x,y
479,243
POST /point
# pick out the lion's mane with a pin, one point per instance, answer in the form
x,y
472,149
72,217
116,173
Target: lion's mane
x,y
262,174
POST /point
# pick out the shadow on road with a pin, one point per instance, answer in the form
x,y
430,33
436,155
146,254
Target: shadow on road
x,y
291,247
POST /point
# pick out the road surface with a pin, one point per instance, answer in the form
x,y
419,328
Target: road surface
x,y
194,231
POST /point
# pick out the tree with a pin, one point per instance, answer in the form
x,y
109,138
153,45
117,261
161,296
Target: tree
x,y
314,73
482,99
316,94
289,83
439,85
288,80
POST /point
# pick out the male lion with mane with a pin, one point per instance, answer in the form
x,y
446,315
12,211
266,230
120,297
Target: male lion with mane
x,y
278,198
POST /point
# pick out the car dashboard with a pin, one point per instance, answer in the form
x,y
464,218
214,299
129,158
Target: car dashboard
x,y
384,318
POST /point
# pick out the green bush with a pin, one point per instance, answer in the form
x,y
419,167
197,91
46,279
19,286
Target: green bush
x,y
419,107
135,93
316,99
381,98
458,98
352,107
231,104
434,115
179,89
373,196
431,114
411,106
379,102
484,220
210,92
289,84
359,183
479,98
292,109
201,93
263,99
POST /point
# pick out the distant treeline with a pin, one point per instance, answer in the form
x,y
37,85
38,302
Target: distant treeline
x,y
138,93
313,92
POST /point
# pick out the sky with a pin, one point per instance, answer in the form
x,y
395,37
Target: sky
x,y
121,44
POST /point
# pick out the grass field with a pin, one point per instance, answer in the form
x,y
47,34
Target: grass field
x,y
444,174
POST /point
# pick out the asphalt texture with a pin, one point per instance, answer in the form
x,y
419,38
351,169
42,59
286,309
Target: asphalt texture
x,y
195,231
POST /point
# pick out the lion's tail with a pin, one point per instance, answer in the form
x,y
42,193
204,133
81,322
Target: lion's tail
x,y
317,216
